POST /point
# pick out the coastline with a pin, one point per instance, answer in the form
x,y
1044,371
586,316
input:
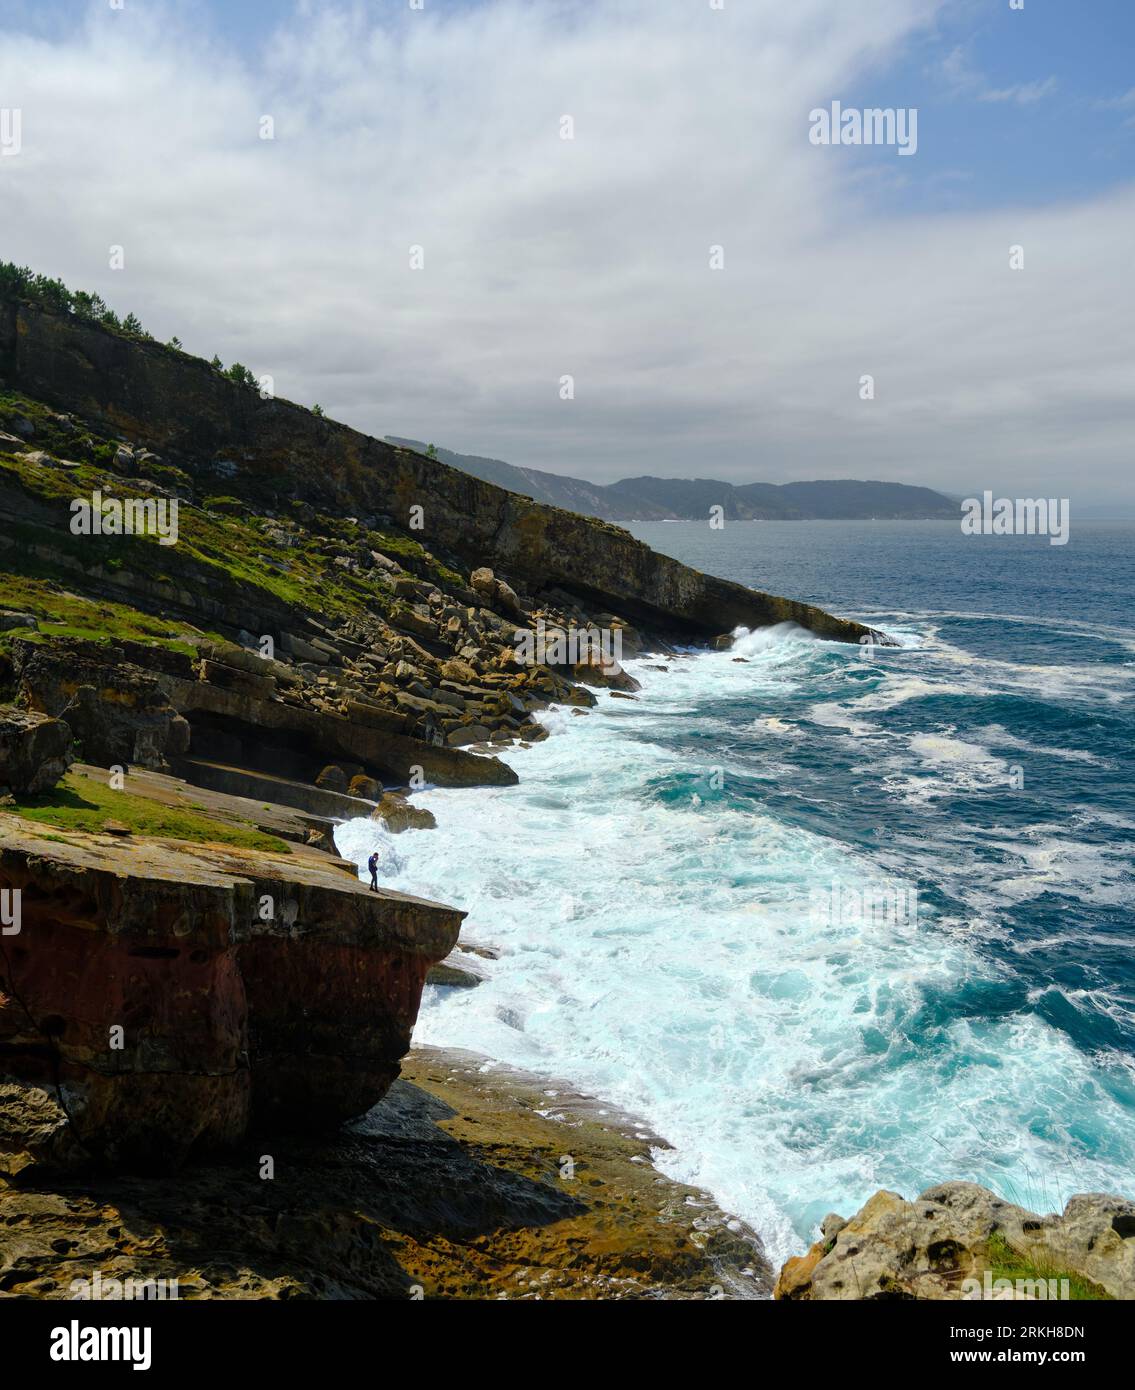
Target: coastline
x,y
221,978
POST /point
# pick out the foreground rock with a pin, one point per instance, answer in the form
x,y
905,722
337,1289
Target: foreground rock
x,y
464,1183
163,997
959,1232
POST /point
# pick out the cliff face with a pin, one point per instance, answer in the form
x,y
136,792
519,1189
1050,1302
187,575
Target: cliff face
x,y
274,450
163,997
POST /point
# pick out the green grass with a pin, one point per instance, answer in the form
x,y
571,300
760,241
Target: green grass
x,y
217,551
81,803
61,613
1008,1263
224,547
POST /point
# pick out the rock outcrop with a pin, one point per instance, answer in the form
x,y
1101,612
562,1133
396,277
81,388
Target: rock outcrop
x,y
399,814
35,750
134,705
164,997
959,1240
118,713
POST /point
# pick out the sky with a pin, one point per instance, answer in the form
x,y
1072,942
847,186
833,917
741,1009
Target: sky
x,y
715,284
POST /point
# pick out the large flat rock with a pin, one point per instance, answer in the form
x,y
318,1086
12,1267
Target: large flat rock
x,y
165,997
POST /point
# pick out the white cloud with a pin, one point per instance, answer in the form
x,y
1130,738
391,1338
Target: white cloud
x,y
960,73
1126,102
1023,93
588,257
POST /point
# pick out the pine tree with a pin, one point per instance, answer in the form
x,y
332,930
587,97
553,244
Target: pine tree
x,y
88,306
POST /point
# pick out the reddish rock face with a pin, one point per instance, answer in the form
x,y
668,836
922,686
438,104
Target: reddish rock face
x,y
328,1025
161,998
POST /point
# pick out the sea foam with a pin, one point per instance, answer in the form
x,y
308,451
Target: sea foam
x,y
651,907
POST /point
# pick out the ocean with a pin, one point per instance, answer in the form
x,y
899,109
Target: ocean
x,y
830,918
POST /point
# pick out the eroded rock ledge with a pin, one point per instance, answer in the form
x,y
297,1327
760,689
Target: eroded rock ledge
x,y
164,997
959,1240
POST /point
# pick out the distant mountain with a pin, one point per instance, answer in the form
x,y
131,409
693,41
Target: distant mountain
x,y
681,499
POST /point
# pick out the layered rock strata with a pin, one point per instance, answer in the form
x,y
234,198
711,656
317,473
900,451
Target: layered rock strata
x,y
162,997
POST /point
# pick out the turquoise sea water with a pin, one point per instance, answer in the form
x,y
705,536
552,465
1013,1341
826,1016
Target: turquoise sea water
x,y
656,884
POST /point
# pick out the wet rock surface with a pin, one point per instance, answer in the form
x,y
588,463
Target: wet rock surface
x,y
467,1181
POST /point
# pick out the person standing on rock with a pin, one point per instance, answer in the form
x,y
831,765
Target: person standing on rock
x,y
372,865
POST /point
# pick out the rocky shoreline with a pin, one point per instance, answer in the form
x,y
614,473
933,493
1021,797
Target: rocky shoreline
x,y
203,1012
467,1181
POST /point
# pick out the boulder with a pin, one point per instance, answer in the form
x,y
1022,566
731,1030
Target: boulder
x,y
453,976
35,750
459,671
333,779
607,675
303,650
398,814
368,788
467,734
507,598
485,583
11,618
957,1240
411,620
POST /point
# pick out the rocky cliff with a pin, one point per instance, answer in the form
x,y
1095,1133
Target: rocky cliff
x,y
272,451
162,997
335,624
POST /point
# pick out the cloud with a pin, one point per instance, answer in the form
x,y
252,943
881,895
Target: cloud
x,y
587,257
964,78
1023,93
1126,102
